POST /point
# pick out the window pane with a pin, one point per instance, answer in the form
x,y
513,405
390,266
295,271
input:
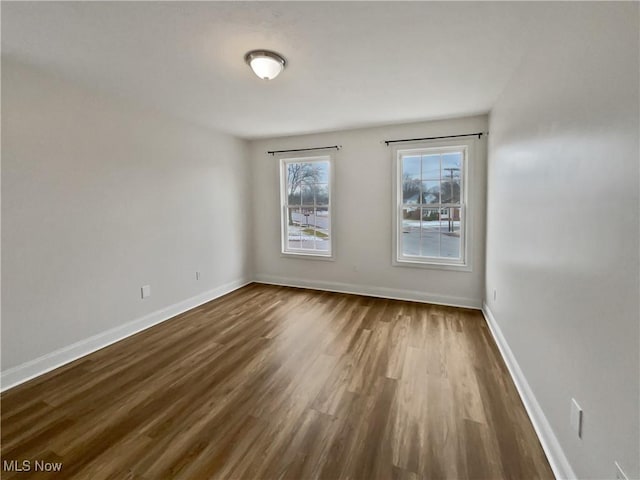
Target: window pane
x,y
295,217
294,220
308,172
410,190
322,215
451,160
294,176
308,216
430,233
321,228
410,231
294,197
431,167
430,191
450,233
411,167
306,228
450,190
321,191
322,172
307,194
308,241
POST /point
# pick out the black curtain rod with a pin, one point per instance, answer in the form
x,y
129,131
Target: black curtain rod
x,y
273,152
479,134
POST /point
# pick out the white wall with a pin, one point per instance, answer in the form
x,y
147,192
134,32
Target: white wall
x,y
99,198
362,204
562,232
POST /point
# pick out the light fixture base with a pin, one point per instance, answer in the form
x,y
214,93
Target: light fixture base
x,y
265,63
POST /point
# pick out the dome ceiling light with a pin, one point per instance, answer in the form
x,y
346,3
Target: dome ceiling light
x,y
265,64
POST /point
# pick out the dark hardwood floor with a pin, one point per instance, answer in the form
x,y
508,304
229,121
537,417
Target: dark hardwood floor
x,y
273,382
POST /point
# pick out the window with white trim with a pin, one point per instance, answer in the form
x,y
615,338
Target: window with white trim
x,y
306,206
430,206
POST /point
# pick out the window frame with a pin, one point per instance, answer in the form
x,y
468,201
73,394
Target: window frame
x,y
284,205
466,210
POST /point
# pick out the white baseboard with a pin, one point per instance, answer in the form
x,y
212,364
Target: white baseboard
x,y
557,459
371,291
33,368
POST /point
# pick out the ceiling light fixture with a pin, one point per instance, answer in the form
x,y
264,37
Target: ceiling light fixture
x,y
265,64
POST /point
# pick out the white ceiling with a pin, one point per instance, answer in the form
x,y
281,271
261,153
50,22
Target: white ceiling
x,y
350,64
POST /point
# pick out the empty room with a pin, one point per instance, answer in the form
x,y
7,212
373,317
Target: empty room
x,y
320,240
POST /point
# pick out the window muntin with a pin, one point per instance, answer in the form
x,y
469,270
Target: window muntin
x,y
431,205
306,206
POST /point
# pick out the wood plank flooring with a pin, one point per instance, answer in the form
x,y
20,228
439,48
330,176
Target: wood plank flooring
x,y
281,383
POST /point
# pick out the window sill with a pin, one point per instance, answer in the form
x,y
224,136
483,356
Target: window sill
x,y
456,267
308,256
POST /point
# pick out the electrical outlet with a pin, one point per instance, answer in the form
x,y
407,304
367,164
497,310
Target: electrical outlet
x,y
197,275
145,291
576,417
620,475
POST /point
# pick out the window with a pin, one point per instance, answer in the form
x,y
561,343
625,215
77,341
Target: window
x,y
430,206
306,206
